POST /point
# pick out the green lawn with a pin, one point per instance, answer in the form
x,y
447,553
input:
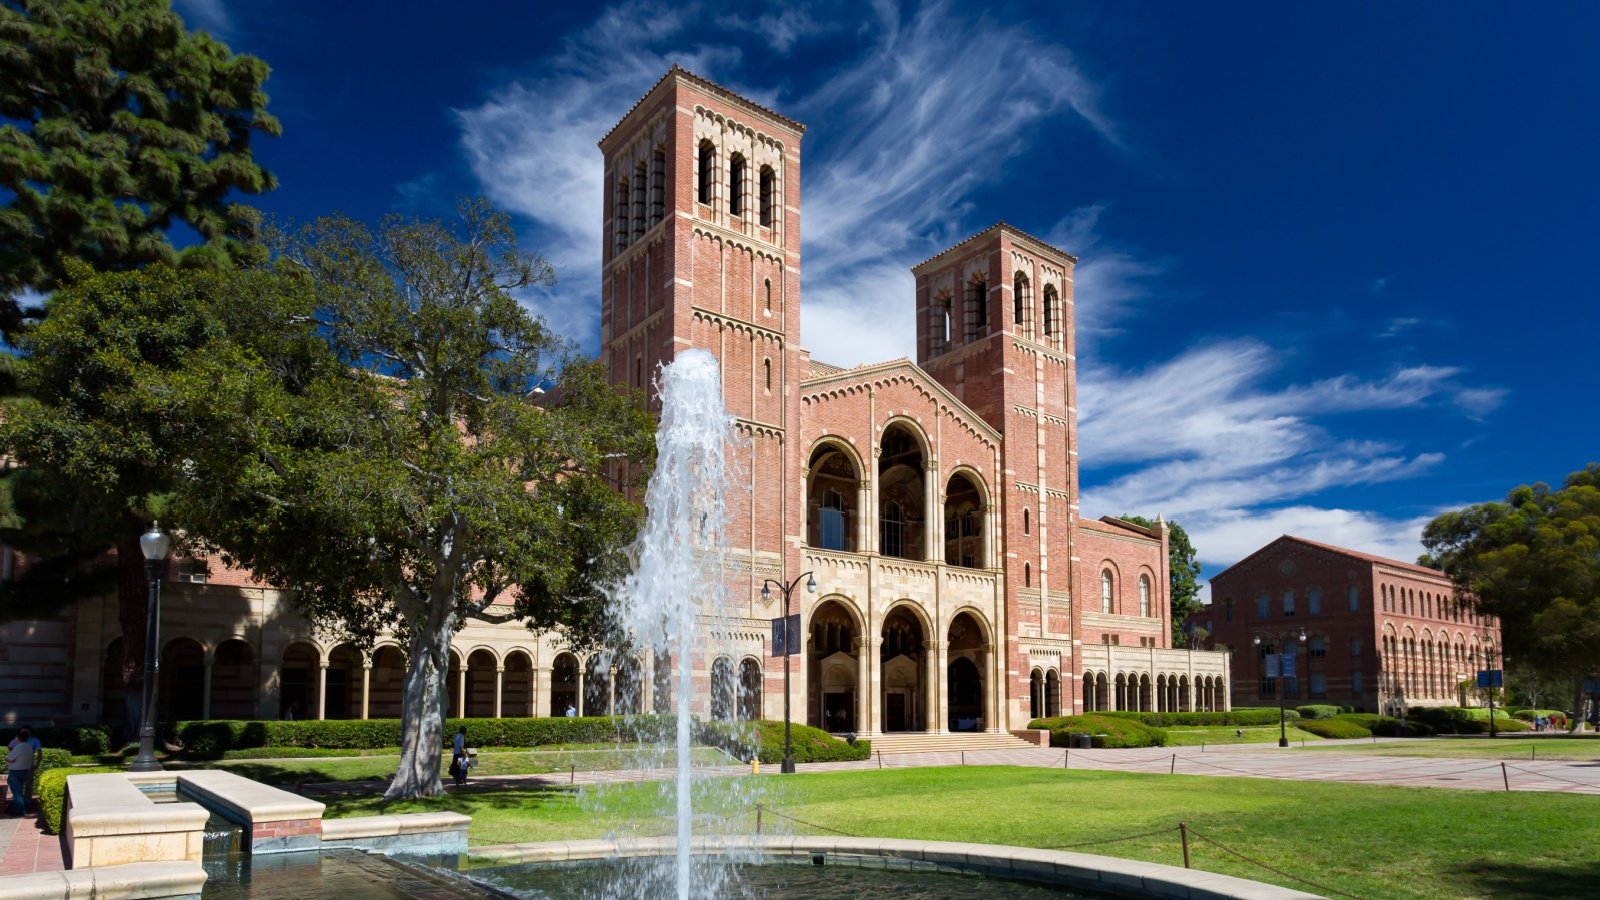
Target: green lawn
x,y
1184,736
1366,840
363,768
1507,748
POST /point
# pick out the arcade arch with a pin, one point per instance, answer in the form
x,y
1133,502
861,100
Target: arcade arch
x,y
833,666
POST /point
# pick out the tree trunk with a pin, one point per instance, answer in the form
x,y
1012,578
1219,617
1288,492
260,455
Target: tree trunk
x,y
422,714
133,604
1576,722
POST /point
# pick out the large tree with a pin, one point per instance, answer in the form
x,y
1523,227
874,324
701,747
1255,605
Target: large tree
x,y
1533,562
454,461
117,123
1183,569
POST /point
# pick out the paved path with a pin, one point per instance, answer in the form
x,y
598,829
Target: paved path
x,y
25,848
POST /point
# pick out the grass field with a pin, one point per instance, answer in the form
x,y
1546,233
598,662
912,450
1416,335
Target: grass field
x,y
1180,736
1363,840
1508,748
364,768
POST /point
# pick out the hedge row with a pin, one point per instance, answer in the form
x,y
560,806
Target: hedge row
x,y
1107,730
210,739
764,740
1464,720
79,740
1334,728
52,788
1236,717
1320,711
1528,715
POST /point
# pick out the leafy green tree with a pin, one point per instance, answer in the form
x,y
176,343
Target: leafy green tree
x,y
416,477
117,123
1533,562
1183,568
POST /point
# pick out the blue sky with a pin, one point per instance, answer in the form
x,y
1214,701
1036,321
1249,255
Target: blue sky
x,y
1336,261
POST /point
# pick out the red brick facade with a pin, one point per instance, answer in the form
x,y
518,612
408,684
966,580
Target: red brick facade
x,y
1381,634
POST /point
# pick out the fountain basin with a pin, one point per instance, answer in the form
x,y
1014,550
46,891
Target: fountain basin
x,y
1093,875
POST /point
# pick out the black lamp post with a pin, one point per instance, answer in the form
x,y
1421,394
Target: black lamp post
x,y
766,594
1283,729
155,545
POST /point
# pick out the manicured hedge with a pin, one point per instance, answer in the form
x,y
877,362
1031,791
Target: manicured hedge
x,y
1334,728
1387,726
1236,717
764,739
1107,730
1528,715
1318,711
1464,720
80,740
52,788
211,739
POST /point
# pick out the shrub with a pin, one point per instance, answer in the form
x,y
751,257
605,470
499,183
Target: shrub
x,y
78,740
1465,720
51,758
212,739
1528,715
1108,730
1236,717
1336,729
1384,726
52,788
1318,711
764,740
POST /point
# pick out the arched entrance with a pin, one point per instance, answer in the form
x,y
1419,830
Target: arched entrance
x,y
630,685
661,693
182,680
903,659
722,689
964,517
113,695
1036,695
517,686
233,681
749,690
481,671
597,685
966,684
297,682
343,686
563,684
1089,693
387,688
833,668
1052,693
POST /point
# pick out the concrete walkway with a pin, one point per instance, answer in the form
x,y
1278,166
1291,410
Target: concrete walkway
x,y
25,848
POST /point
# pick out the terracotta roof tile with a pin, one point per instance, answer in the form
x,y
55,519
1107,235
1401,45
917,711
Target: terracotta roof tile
x,y
711,86
1001,224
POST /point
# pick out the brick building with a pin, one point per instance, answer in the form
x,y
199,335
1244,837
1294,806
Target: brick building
x,y
1381,635
936,501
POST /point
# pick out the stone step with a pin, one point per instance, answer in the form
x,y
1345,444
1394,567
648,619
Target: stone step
x,y
917,742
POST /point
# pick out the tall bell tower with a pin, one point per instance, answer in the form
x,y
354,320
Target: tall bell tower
x,y
702,249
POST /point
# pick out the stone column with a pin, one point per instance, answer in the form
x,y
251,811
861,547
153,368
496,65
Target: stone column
x,y
864,702
205,692
930,705
582,702
991,720
876,720
942,686
322,691
499,688
541,699
611,690
933,512
461,690
366,688
864,517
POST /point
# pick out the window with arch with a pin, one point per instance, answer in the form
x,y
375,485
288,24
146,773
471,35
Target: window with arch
x,y
1052,312
736,184
1288,603
892,531
708,170
1105,590
1144,595
766,294
1027,574
977,308
766,366
943,324
832,534
1025,522
640,177
1314,602
768,183
658,185
620,214
1353,595
1021,305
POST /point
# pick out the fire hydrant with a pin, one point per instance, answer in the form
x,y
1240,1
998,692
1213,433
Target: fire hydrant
x,y
755,765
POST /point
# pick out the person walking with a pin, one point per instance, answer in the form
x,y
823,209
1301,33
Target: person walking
x,y
21,758
458,756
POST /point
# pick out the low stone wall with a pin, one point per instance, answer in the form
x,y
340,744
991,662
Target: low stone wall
x,y
1098,874
1036,736
278,821
133,880
110,822
429,834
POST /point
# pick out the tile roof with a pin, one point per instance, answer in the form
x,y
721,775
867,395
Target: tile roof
x,y
1382,560
1000,224
709,85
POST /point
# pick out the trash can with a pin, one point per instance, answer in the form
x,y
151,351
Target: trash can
x,y
1083,741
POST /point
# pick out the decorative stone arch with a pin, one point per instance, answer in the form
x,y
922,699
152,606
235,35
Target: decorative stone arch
x,y
1052,692
517,683
1149,604
723,689
233,679
1111,603
828,526
751,678
182,683
968,518
566,682
906,499
836,657
970,679
1036,693
1089,693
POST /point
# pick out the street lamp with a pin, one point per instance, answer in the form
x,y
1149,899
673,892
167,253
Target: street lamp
x,y
788,639
1283,729
154,545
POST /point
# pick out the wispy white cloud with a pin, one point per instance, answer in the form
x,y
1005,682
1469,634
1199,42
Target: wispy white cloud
x,y
1398,325
210,15
1227,536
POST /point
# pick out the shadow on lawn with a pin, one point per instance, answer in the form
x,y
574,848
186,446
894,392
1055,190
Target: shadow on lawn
x,y
1516,880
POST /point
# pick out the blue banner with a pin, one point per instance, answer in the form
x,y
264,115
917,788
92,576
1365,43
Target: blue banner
x,y
1491,678
786,641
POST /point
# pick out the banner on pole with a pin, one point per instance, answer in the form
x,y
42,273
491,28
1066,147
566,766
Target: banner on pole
x,y
1491,678
786,640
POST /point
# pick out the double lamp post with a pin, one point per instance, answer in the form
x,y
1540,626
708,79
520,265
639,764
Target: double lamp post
x,y
1283,638
154,545
788,649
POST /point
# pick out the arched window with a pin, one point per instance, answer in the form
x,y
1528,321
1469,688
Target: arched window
x,y
768,186
766,290
1025,524
1021,304
1144,595
1105,590
977,308
638,371
942,325
639,179
736,185
766,364
832,523
1052,313
892,531
620,214
708,170
658,186
1027,574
